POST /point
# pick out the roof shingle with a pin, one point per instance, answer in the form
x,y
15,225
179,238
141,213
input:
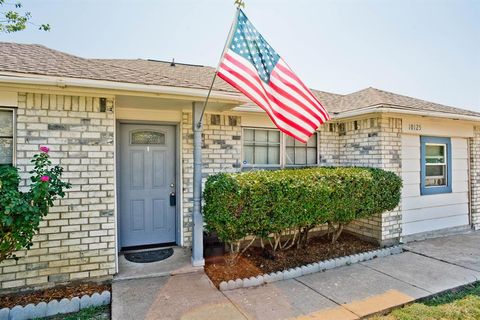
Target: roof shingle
x,y
40,60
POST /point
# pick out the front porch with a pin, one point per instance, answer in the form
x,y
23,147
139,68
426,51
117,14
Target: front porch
x,y
158,168
179,263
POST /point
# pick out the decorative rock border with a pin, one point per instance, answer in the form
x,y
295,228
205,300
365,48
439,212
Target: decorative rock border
x,y
308,269
54,307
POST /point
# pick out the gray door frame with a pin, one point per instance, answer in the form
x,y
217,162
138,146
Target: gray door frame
x,y
178,182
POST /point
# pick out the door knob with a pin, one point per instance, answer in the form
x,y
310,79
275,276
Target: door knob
x,y
172,185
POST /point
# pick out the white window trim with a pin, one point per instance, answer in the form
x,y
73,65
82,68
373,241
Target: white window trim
x,y
302,165
444,163
282,152
250,165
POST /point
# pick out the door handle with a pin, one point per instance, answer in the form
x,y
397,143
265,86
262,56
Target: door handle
x,y
173,199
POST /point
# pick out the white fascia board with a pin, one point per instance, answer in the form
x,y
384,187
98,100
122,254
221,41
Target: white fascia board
x,y
63,82
431,114
376,109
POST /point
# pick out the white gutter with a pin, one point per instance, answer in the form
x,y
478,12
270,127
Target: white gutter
x,y
377,109
373,109
63,82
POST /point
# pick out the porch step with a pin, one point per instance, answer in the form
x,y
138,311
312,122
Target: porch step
x,y
179,263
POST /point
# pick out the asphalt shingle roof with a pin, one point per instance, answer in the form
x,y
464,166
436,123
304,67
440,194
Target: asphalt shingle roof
x,y
40,60
183,75
371,97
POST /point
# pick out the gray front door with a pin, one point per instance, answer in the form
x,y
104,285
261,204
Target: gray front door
x,y
147,178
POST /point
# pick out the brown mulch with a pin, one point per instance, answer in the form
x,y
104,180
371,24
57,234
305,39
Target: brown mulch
x,y
255,262
46,295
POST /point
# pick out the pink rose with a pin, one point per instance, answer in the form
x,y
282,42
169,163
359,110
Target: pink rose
x,y
44,149
44,178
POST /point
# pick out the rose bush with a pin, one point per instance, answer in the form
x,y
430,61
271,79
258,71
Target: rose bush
x,y
21,212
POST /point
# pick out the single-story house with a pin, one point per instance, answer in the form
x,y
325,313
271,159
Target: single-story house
x,y
122,129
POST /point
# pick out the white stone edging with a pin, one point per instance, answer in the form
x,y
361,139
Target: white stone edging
x,y
308,269
54,307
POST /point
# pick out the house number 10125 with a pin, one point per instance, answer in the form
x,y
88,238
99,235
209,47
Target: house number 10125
x,y
415,127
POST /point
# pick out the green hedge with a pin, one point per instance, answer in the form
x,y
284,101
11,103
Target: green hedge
x,y
261,203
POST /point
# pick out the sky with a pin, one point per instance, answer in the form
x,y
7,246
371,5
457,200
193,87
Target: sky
x,y
428,49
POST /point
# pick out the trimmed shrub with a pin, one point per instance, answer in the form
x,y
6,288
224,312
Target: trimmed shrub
x,y
272,204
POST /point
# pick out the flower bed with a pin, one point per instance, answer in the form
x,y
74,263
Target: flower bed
x,y
255,262
53,301
279,210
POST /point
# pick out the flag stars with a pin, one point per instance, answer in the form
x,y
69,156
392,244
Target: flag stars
x,y
250,44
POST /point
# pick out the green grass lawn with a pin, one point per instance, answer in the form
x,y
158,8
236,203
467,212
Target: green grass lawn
x,y
93,313
463,304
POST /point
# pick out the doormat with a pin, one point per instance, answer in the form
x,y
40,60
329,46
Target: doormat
x,y
149,256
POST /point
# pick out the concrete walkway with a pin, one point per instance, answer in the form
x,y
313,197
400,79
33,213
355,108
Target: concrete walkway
x,y
350,292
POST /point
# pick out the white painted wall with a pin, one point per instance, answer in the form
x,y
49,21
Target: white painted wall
x,y
8,98
433,212
144,114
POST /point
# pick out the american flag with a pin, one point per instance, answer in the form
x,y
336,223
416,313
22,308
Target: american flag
x,y
251,65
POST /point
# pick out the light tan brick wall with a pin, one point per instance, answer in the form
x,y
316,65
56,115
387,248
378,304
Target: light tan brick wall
x,y
76,240
371,142
475,178
221,152
329,145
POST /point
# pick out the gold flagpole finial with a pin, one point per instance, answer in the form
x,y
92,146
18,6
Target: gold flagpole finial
x,y
240,4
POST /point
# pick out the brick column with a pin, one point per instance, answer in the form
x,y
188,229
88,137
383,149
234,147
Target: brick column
x,y
391,148
221,152
475,178
369,142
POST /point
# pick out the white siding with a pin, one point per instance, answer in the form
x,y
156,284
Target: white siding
x,y
438,211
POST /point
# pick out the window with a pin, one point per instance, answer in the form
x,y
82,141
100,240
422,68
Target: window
x,y
436,165
6,137
270,147
297,153
261,147
147,137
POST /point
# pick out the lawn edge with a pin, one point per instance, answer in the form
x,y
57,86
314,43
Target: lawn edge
x,y
310,268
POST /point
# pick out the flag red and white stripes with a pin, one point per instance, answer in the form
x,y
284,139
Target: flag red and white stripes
x,y
250,65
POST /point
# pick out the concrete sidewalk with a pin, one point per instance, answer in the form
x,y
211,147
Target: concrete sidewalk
x,y
350,292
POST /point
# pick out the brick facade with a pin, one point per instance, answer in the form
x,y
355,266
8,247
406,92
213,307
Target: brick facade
x,y
221,152
76,240
475,178
370,142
